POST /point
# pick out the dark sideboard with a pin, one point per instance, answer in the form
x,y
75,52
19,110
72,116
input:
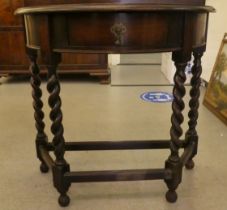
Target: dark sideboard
x,y
13,60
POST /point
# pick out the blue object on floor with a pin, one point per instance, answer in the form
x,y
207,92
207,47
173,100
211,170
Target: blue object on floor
x,y
157,97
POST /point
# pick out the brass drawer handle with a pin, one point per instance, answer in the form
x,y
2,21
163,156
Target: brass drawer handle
x,y
118,30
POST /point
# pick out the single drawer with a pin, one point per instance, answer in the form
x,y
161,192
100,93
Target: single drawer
x,y
117,32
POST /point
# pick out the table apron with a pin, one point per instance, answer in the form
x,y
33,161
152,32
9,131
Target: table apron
x,y
116,32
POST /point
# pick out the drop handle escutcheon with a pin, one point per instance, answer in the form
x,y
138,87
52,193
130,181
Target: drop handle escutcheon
x,y
118,31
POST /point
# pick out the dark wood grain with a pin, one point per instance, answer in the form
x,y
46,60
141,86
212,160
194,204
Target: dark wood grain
x,y
144,31
169,2
115,145
193,114
122,28
118,175
41,137
13,60
112,7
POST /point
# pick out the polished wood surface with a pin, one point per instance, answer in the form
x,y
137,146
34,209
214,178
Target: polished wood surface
x,y
11,35
13,60
179,27
107,7
144,32
170,2
157,28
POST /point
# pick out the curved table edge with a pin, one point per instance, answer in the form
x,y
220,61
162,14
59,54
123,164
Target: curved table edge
x,y
110,8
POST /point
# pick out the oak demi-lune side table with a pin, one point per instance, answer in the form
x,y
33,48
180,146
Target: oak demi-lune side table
x,y
178,26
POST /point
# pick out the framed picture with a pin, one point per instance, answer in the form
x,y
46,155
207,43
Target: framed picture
x,y
216,95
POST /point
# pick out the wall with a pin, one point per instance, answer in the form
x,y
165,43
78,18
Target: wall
x,y
217,28
113,59
147,58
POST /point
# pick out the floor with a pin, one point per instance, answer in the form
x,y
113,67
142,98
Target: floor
x,y
137,75
102,112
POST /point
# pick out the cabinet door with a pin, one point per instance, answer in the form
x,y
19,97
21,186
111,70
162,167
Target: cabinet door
x,y
13,59
12,52
7,17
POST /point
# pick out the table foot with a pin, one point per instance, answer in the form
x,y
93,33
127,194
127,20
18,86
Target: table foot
x,y
64,200
171,196
44,168
190,165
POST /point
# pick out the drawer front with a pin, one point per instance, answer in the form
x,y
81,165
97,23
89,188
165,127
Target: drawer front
x,y
109,31
117,32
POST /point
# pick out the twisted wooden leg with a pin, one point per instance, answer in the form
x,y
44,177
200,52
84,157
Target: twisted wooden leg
x,y
191,134
41,138
173,162
61,165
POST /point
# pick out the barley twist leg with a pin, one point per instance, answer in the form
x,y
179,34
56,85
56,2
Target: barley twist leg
x,y
61,166
173,162
191,134
41,138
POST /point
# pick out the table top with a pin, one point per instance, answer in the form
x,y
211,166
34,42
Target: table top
x,y
107,7
116,27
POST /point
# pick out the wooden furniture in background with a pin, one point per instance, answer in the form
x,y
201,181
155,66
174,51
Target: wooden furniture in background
x,y
178,26
13,59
